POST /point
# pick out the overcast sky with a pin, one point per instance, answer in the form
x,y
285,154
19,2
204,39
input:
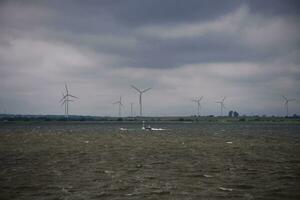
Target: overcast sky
x,y
248,51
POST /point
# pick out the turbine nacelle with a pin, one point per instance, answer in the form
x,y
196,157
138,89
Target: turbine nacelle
x,y
140,91
197,100
119,102
286,100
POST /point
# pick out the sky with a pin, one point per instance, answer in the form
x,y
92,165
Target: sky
x,y
246,51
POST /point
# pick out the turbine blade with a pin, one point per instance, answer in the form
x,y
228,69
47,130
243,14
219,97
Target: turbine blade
x,y
136,88
66,87
146,90
64,97
63,103
223,99
73,96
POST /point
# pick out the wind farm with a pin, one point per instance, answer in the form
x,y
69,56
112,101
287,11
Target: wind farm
x,y
149,99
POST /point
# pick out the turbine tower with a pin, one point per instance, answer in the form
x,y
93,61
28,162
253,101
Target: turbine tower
x,y
66,99
64,103
197,101
221,105
131,109
140,97
286,103
120,106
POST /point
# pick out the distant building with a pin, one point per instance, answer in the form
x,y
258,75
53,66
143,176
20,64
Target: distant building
x,y
233,114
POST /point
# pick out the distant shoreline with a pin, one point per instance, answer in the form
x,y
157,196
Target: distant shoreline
x,y
175,119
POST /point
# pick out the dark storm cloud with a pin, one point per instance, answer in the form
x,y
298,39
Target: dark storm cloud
x,y
137,12
121,19
84,22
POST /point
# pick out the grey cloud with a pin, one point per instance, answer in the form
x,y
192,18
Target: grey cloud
x,y
101,27
246,49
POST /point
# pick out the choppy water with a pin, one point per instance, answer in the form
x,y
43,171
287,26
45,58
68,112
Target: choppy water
x,y
187,161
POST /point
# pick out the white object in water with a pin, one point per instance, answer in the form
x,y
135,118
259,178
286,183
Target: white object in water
x,y
229,142
157,129
149,128
123,129
225,189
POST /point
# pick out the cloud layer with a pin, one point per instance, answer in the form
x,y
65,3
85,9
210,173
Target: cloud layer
x,y
246,51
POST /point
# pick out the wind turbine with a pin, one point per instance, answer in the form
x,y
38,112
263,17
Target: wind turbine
x,y
286,103
222,105
198,100
140,97
66,99
120,106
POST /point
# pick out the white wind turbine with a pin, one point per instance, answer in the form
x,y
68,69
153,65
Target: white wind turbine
x,y
286,103
198,102
221,105
66,99
120,106
140,97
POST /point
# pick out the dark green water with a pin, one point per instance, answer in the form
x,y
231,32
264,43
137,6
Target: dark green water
x,y
185,161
